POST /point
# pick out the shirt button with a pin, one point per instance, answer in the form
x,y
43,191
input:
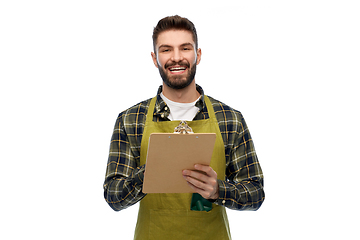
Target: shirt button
x,y
223,202
166,108
162,115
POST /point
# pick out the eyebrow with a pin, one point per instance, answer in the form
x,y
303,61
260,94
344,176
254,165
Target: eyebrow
x,y
168,46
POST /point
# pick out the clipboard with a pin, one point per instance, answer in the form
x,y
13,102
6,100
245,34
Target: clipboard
x,y
171,153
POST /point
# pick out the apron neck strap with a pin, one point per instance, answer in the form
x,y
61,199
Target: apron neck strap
x,y
209,107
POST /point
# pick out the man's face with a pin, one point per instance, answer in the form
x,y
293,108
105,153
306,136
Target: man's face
x,y
176,58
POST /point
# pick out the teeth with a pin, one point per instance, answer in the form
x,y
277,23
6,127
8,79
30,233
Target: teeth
x,y
177,69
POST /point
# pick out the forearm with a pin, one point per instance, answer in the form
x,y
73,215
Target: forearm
x,y
122,192
245,195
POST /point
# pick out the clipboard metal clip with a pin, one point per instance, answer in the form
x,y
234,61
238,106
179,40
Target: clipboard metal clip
x,y
183,128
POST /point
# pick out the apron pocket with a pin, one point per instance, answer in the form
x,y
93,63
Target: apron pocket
x,y
186,224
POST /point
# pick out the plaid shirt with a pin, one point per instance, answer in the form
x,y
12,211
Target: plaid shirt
x,y
243,187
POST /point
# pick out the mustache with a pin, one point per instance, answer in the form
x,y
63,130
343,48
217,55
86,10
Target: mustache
x,y
184,64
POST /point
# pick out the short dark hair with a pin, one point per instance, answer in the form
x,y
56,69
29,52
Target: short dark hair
x,y
174,22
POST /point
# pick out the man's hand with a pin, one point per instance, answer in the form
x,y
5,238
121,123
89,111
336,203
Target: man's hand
x,y
203,180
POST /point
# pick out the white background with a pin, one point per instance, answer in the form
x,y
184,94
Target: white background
x,y
67,68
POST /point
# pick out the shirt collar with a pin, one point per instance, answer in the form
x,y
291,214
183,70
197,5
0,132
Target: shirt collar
x,y
162,109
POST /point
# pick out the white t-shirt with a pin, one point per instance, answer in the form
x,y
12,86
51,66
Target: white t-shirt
x,y
181,111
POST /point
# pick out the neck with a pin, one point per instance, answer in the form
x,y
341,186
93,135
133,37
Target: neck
x,y
185,95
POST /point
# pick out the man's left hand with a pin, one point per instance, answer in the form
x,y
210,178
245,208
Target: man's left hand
x,y
203,180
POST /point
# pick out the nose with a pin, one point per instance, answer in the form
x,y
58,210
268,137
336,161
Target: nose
x,y
177,56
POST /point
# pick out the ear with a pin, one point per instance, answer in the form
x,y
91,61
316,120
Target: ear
x,y
198,54
153,56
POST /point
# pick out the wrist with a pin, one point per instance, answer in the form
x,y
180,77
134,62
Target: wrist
x,y
214,196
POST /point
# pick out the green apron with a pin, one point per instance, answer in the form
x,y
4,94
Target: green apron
x,y
168,216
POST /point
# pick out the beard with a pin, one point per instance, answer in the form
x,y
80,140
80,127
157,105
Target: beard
x,y
178,82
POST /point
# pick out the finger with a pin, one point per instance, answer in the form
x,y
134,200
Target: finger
x,y
196,183
208,177
205,189
202,176
207,169
205,193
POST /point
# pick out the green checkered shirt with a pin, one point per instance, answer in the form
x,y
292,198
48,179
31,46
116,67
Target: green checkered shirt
x,y
243,187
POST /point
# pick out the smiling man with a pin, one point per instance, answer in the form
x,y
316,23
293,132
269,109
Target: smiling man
x,y
176,58
234,178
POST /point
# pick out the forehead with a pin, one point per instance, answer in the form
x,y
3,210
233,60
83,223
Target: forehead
x,y
175,38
